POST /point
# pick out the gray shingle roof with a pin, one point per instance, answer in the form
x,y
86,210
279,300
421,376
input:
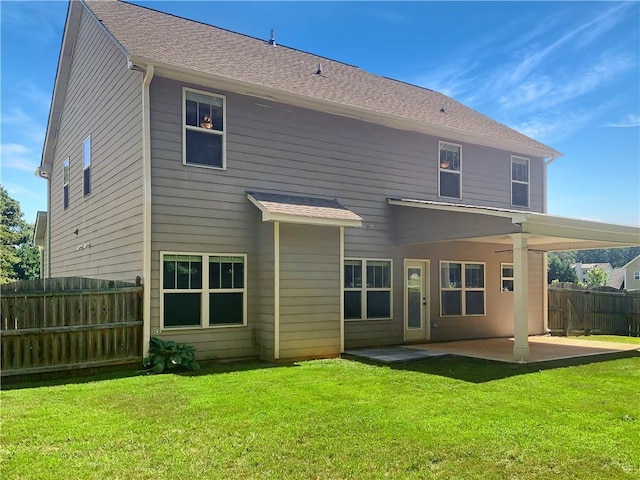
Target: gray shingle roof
x,y
185,44
304,207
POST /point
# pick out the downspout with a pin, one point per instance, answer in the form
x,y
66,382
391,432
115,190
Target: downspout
x,y
146,235
544,182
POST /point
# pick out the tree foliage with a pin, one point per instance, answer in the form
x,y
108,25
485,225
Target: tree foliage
x,y
19,258
559,267
597,277
617,257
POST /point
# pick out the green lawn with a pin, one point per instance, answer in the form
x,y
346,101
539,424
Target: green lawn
x,y
610,338
445,417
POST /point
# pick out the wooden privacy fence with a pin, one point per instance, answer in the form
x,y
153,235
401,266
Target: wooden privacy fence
x,y
69,323
578,310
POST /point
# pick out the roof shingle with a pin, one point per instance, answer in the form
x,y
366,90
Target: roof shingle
x,y
186,44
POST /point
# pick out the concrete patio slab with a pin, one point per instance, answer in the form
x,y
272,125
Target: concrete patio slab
x,y
542,349
394,354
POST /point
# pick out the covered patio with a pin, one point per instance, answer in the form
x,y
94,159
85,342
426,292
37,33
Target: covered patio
x,y
541,349
514,231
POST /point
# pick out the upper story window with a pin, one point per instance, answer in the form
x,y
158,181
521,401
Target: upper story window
x,y
506,277
86,165
65,183
449,170
204,129
636,275
519,181
367,289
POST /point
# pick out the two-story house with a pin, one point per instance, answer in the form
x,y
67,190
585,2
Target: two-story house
x,y
283,205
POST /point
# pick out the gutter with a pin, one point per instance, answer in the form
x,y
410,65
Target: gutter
x,y
146,209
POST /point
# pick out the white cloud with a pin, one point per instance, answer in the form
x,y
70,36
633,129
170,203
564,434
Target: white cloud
x,y
17,157
630,120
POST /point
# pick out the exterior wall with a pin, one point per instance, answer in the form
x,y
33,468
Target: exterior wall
x,y
630,268
498,320
281,148
309,291
103,100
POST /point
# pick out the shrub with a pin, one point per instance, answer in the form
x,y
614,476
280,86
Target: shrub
x,y
167,355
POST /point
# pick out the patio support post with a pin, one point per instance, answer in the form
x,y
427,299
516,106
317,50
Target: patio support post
x,y
520,298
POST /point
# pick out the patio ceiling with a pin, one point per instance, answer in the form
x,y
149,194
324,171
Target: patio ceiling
x,y
543,232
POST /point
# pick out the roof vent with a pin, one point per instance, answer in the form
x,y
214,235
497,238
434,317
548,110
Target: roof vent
x,y
319,70
442,110
272,38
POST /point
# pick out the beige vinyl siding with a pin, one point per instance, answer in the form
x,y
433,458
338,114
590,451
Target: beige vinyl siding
x,y
498,318
630,283
264,294
309,291
103,100
281,148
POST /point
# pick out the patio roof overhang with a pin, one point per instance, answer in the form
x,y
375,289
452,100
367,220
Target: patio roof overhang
x,y
520,232
543,232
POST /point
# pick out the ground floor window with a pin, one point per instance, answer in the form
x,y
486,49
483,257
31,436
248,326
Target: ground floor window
x,y
203,290
367,289
462,289
506,277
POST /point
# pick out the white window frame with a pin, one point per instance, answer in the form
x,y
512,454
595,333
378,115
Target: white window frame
x,y
463,289
636,275
503,277
458,172
527,183
211,131
204,292
364,289
66,173
86,165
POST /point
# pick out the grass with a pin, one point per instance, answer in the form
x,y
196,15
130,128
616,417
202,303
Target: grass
x,y
611,338
439,418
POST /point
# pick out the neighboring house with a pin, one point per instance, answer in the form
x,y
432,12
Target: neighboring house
x,y
616,278
632,274
583,269
283,205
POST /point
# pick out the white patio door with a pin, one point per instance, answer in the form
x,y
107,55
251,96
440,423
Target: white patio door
x,y
416,300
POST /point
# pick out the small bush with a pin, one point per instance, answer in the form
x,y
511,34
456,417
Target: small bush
x,y
167,355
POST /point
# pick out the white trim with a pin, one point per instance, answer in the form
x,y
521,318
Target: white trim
x,y
204,291
146,210
276,290
341,289
454,172
463,289
186,127
527,183
364,289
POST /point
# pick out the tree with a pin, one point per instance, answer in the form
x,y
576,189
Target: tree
x,y
559,267
597,277
19,258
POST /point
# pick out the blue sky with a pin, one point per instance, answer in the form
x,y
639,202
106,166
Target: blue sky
x,y
565,73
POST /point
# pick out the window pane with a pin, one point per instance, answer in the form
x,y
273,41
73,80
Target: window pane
x,y
214,273
169,272
238,274
204,149
451,275
195,273
378,304
449,185
520,194
86,152
181,309
192,113
65,172
353,274
507,271
378,274
474,275
507,285
204,111
520,170
188,270
474,303
86,174
226,308
65,193
450,157
452,302
352,305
